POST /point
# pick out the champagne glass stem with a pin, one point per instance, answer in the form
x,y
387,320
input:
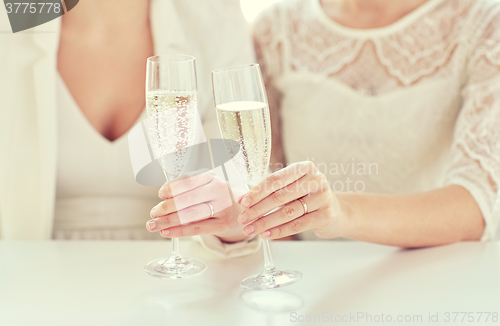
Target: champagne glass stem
x,y
175,241
175,249
268,258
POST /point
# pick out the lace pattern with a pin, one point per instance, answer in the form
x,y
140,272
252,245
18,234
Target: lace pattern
x,y
446,40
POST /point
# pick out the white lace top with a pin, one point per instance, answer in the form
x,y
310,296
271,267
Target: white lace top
x,y
404,108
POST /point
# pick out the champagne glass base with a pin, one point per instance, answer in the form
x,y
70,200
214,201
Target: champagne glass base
x,y
270,280
172,268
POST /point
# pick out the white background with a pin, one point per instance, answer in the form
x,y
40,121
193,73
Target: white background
x,y
251,8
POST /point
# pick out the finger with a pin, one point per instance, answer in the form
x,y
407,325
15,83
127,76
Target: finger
x,y
306,222
164,208
282,216
215,192
209,226
196,196
185,183
187,215
275,181
305,185
159,223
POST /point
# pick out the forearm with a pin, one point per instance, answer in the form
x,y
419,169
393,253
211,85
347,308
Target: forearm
x,y
436,217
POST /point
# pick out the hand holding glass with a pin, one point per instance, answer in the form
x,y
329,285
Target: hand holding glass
x,y
243,116
171,100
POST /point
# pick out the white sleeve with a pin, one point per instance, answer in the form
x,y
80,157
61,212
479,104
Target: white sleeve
x,y
475,153
230,45
229,250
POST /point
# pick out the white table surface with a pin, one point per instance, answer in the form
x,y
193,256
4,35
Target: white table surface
x,y
103,283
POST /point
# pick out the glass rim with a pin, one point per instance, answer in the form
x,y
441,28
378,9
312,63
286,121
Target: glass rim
x,y
171,58
236,67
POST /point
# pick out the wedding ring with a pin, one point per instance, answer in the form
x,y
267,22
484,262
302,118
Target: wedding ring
x,y
303,205
211,210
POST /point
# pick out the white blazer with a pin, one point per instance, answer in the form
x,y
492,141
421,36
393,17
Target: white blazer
x,y
214,32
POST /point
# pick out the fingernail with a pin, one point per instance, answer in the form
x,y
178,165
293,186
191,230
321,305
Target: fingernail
x,y
165,232
162,193
152,212
245,202
243,218
151,224
249,229
266,233
239,198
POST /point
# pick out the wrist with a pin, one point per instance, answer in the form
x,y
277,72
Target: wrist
x,y
346,215
234,233
340,215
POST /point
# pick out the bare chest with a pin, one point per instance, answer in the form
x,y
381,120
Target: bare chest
x,y
106,78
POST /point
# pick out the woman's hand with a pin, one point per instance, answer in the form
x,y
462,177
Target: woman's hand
x,y
187,209
281,192
436,217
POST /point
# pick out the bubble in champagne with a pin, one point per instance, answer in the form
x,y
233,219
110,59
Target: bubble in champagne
x,y
172,127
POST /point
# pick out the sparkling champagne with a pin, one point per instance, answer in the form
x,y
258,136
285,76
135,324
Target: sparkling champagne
x,y
172,120
248,123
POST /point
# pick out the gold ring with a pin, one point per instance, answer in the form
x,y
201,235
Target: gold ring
x,y
303,205
211,210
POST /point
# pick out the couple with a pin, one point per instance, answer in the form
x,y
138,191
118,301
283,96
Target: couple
x,y
411,86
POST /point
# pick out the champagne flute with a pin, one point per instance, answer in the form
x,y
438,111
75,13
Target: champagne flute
x,y
171,104
243,115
